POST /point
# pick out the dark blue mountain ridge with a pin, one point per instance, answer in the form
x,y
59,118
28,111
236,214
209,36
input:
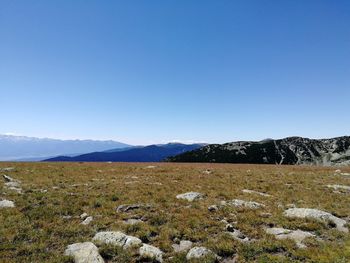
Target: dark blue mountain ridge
x,y
151,153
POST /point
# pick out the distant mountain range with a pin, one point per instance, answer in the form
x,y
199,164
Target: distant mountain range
x,y
151,153
32,149
291,150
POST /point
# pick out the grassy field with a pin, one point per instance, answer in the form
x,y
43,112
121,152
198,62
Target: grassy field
x,y
37,229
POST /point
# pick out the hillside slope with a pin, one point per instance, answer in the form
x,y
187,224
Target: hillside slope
x,y
152,153
291,150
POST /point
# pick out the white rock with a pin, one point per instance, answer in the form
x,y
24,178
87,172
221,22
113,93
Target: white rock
x,y
132,221
199,252
184,245
83,215
190,196
6,203
87,220
85,252
318,215
238,235
116,238
297,235
7,169
213,208
8,178
242,203
255,192
339,187
151,252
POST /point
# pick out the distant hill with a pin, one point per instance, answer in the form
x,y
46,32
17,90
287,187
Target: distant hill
x,y
151,153
31,148
291,150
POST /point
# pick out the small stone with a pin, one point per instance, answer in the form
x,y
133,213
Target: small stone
x,y
132,221
84,253
344,188
265,215
127,208
190,196
151,252
255,192
199,252
184,245
239,236
6,203
242,203
213,208
7,169
87,220
8,178
83,216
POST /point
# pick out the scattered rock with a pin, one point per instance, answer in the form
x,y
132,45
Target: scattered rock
x,y
132,221
339,187
83,216
237,234
190,196
85,252
290,205
199,252
8,178
151,252
184,245
318,215
297,235
265,215
255,192
208,171
242,203
230,260
127,208
116,238
66,217
213,208
6,203
87,220
7,169
12,184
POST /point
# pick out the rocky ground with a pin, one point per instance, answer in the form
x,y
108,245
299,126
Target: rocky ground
x,y
166,212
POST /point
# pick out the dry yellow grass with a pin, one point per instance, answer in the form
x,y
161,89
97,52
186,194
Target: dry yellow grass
x,y
35,230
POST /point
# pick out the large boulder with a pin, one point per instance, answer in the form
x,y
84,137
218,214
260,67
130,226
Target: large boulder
x,y
116,238
85,252
190,196
151,252
318,215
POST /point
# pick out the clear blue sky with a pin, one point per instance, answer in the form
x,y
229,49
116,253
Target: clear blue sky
x,y
155,71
